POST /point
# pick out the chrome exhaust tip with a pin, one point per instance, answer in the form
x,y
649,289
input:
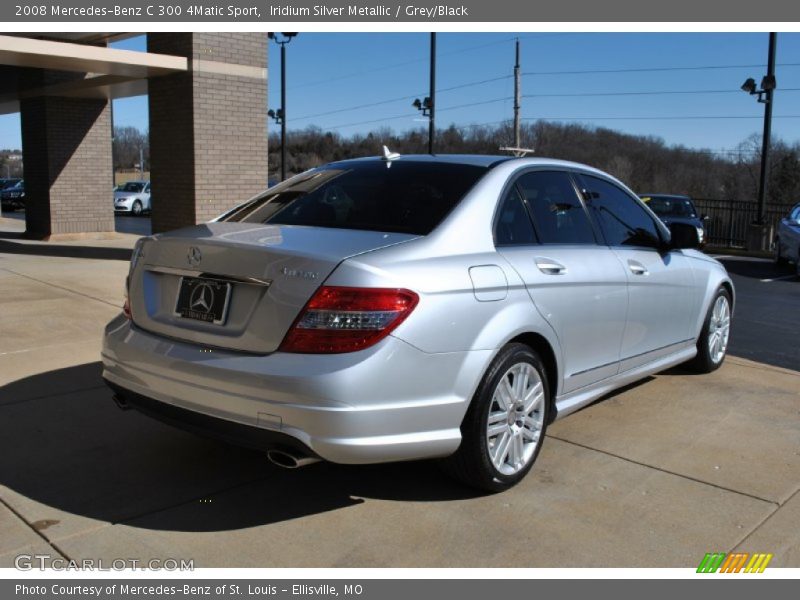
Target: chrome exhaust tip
x,y
289,459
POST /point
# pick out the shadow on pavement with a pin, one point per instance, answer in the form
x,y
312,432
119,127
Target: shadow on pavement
x,y
73,450
49,249
756,269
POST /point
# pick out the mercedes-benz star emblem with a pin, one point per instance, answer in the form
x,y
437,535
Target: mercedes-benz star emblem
x,y
202,298
194,256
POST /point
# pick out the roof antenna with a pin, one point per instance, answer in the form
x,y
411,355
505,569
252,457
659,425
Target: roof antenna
x,y
518,152
389,156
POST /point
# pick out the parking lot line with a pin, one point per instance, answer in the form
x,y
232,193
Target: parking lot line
x,y
782,278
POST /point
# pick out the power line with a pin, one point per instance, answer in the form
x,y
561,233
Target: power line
x,y
646,93
656,69
657,118
400,64
405,97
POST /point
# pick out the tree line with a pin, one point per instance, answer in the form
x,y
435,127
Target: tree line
x,y
645,163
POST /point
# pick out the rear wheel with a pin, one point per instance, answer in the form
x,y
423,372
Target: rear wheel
x,y
504,427
712,345
136,209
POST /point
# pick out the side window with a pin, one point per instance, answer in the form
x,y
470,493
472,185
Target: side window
x,y
147,188
623,221
557,212
513,223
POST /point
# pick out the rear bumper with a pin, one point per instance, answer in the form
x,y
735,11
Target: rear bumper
x,y
390,402
227,431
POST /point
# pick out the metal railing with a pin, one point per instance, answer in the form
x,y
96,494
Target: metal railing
x,y
729,220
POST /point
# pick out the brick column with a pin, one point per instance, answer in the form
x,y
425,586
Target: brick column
x,y
66,147
208,127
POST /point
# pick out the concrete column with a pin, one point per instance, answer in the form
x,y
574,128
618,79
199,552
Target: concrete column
x,y
66,147
208,126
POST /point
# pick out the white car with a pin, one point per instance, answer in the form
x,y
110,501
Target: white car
x,y
132,197
787,239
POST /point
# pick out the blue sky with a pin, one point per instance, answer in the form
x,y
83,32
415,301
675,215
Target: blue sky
x,y
330,72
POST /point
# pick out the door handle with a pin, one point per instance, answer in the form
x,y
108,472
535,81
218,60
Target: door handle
x,y
550,267
637,268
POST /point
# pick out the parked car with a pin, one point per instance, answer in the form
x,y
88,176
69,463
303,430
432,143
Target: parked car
x,y
447,307
9,182
787,239
132,197
672,208
12,197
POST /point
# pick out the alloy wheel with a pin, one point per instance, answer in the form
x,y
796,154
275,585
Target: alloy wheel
x,y
719,328
516,418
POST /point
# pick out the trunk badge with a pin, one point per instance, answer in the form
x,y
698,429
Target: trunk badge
x,y
194,256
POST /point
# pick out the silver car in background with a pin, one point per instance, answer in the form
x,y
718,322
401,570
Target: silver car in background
x,y
132,197
413,307
787,239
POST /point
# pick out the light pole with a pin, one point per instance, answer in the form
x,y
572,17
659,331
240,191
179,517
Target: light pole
x,y
280,115
427,106
765,96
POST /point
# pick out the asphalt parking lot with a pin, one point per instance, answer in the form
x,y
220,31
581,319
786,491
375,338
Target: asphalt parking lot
x,y
656,474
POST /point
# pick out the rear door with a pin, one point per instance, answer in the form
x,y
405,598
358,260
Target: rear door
x,y
662,297
576,284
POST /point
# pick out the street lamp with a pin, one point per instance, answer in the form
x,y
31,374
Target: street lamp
x,y
765,96
280,115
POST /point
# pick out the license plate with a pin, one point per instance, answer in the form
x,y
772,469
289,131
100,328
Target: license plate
x,y
203,300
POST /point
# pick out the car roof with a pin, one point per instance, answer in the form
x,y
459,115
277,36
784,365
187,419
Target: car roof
x,y
479,160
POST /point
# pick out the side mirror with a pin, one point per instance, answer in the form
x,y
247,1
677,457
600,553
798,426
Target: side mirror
x,y
684,236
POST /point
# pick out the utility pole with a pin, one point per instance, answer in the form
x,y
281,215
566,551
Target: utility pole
x,y
432,96
765,142
517,99
280,116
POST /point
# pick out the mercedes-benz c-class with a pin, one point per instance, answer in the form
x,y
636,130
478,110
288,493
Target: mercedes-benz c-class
x,y
412,307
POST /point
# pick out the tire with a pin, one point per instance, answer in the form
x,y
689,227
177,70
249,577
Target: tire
x,y
780,260
519,441
136,209
718,321
797,266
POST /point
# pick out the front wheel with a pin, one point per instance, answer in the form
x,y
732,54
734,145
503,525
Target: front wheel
x,y
505,424
136,209
712,345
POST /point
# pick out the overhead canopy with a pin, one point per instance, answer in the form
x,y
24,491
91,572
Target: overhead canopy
x,y
109,72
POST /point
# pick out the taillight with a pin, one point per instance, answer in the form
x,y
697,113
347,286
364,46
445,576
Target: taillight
x,y
126,306
346,319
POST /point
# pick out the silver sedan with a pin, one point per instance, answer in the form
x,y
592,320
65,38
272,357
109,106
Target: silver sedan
x,y
411,307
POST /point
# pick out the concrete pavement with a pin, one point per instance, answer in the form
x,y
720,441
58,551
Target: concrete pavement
x,y
657,474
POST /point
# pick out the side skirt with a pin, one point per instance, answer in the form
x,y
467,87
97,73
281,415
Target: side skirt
x,y
569,403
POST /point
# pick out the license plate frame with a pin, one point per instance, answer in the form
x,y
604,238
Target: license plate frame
x,y
203,299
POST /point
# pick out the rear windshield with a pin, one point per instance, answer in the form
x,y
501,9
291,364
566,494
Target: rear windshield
x,y
670,206
406,197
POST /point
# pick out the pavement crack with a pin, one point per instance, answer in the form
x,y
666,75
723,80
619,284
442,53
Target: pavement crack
x,y
60,287
155,511
655,468
763,522
50,543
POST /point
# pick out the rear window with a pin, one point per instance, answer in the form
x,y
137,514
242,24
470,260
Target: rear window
x,y
401,196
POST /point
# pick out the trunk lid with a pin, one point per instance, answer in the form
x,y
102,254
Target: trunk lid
x,y
266,272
